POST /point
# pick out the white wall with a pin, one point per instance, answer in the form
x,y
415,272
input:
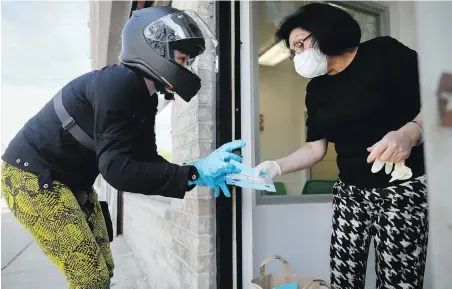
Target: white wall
x,y
402,22
301,232
434,43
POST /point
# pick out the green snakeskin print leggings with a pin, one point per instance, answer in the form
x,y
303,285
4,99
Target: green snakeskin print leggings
x,y
74,237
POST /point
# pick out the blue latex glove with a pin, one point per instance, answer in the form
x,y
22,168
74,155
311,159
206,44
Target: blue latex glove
x,y
218,183
214,168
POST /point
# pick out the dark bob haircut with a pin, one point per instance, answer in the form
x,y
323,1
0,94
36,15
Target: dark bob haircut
x,y
334,30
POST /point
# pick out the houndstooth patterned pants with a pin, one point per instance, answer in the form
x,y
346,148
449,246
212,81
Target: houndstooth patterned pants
x,y
396,218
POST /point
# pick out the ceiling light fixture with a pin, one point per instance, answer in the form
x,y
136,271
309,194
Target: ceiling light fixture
x,y
274,55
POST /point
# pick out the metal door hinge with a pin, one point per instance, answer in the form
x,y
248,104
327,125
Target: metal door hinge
x,y
217,65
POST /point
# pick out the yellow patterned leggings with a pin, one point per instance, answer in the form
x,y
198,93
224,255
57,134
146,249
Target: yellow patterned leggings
x,y
74,237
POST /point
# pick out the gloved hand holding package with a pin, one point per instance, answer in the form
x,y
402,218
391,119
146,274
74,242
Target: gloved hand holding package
x,y
214,168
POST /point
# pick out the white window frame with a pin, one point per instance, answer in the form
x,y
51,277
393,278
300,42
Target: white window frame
x,y
250,97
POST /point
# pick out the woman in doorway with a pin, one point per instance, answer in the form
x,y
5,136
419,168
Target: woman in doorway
x,y
364,98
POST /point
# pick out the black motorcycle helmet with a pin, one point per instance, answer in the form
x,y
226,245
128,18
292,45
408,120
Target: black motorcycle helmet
x,y
149,39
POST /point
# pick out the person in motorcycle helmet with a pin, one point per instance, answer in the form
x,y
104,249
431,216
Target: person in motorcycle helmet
x,y
102,122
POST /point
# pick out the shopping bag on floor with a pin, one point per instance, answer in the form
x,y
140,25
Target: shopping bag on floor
x,y
285,280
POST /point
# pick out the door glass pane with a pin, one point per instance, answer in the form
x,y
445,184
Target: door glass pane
x,y
282,101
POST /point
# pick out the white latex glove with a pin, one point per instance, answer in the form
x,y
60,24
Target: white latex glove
x,y
400,172
268,169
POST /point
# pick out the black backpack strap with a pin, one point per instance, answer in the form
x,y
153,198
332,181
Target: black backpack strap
x,y
69,124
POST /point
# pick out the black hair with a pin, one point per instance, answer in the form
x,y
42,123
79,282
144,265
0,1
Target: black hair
x,y
334,30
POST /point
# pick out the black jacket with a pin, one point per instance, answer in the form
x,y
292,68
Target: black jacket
x,y
112,106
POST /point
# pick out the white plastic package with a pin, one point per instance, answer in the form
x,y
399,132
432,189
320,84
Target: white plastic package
x,y
247,179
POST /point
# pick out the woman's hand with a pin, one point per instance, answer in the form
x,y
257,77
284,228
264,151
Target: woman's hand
x,y
268,169
305,157
395,146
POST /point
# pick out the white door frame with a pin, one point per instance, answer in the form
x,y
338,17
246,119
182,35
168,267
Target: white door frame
x,y
249,91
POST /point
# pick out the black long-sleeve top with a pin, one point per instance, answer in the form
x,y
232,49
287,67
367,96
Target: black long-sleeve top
x,y
377,93
114,107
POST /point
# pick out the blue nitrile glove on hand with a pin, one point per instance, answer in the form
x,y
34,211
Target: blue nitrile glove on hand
x,y
214,168
218,183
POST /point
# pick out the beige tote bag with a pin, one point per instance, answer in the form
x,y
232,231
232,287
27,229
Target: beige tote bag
x,y
270,281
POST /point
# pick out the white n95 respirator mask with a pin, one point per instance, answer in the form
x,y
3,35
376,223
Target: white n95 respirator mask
x,y
310,63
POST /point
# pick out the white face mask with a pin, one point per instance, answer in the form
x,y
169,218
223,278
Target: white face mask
x,y
310,63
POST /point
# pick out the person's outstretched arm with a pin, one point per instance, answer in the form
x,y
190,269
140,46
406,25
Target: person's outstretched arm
x,y
308,155
117,96
305,157
116,103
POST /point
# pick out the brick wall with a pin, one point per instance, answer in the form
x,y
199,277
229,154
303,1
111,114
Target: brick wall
x,y
174,240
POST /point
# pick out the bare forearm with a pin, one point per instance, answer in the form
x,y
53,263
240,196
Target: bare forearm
x,y
412,130
305,157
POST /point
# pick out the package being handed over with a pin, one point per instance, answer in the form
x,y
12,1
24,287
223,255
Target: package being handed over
x,y
247,179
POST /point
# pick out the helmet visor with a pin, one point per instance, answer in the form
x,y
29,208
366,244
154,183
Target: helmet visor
x,y
184,31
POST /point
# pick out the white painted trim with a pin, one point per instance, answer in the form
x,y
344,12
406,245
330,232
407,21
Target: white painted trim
x,y
379,8
235,272
100,31
249,92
